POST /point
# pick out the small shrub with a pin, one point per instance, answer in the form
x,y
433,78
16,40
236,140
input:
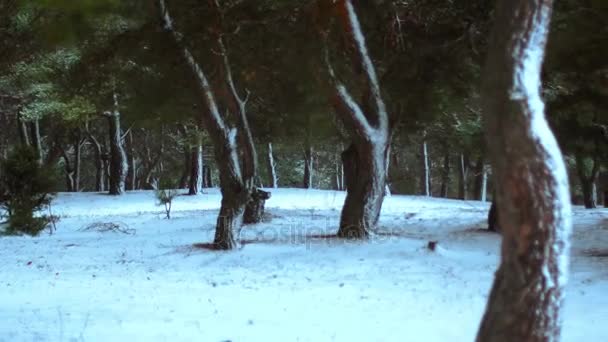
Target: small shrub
x,y
165,197
26,190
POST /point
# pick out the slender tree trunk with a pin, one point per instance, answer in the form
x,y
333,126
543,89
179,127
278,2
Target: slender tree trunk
x,y
132,173
77,162
463,173
533,201
208,183
99,164
480,178
196,170
445,176
36,139
484,185
308,167
272,171
118,156
425,174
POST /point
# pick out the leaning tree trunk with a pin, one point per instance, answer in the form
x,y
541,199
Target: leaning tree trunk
x,y
425,173
533,199
366,159
272,171
236,181
118,156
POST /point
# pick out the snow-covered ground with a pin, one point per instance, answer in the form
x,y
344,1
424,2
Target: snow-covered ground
x,y
287,283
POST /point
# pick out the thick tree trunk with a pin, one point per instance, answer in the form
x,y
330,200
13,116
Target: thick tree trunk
x,y
366,160
272,171
589,193
254,211
308,167
533,199
445,176
365,178
118,157
425,172
463,174
196,170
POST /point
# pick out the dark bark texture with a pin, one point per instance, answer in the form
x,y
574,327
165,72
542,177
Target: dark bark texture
x,y
366,159
118,156
254,212
531,181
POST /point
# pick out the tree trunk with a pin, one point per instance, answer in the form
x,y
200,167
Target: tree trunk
x,y
184,179
254,211
493,217
308,167
132,173
208,183
366,159
480,179
463,173
118,157
234,150
272,171
533,199
23,134
99,164
425,174
36,140
196,170
587,180
445,176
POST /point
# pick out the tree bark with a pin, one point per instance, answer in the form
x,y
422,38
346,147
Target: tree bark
x,y
236,175
463,174
118,156
366,159
272,171
132,173
208,183
36,140
254,211
531,181
480,179
445,176
196,170
425,174
308,167
587,180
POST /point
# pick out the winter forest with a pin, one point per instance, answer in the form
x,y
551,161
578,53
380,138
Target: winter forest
x,y
304,170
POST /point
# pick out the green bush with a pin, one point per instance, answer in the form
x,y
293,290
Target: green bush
x,y
26,190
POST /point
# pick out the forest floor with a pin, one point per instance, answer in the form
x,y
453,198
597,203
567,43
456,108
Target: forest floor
x,y
146,280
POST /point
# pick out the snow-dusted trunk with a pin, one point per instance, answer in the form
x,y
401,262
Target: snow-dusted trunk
x,y
100,174
365,161
308,167
118,156
533,199
339,173
272,171
587,180
484,185
196,169
463,174
445,176
236,175
425,172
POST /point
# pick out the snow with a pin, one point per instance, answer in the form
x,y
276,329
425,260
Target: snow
x,y
286,283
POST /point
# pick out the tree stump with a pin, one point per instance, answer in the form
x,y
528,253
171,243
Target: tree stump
x,y
254,211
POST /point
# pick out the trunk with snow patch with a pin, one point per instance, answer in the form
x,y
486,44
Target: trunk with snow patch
x,y
533,199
